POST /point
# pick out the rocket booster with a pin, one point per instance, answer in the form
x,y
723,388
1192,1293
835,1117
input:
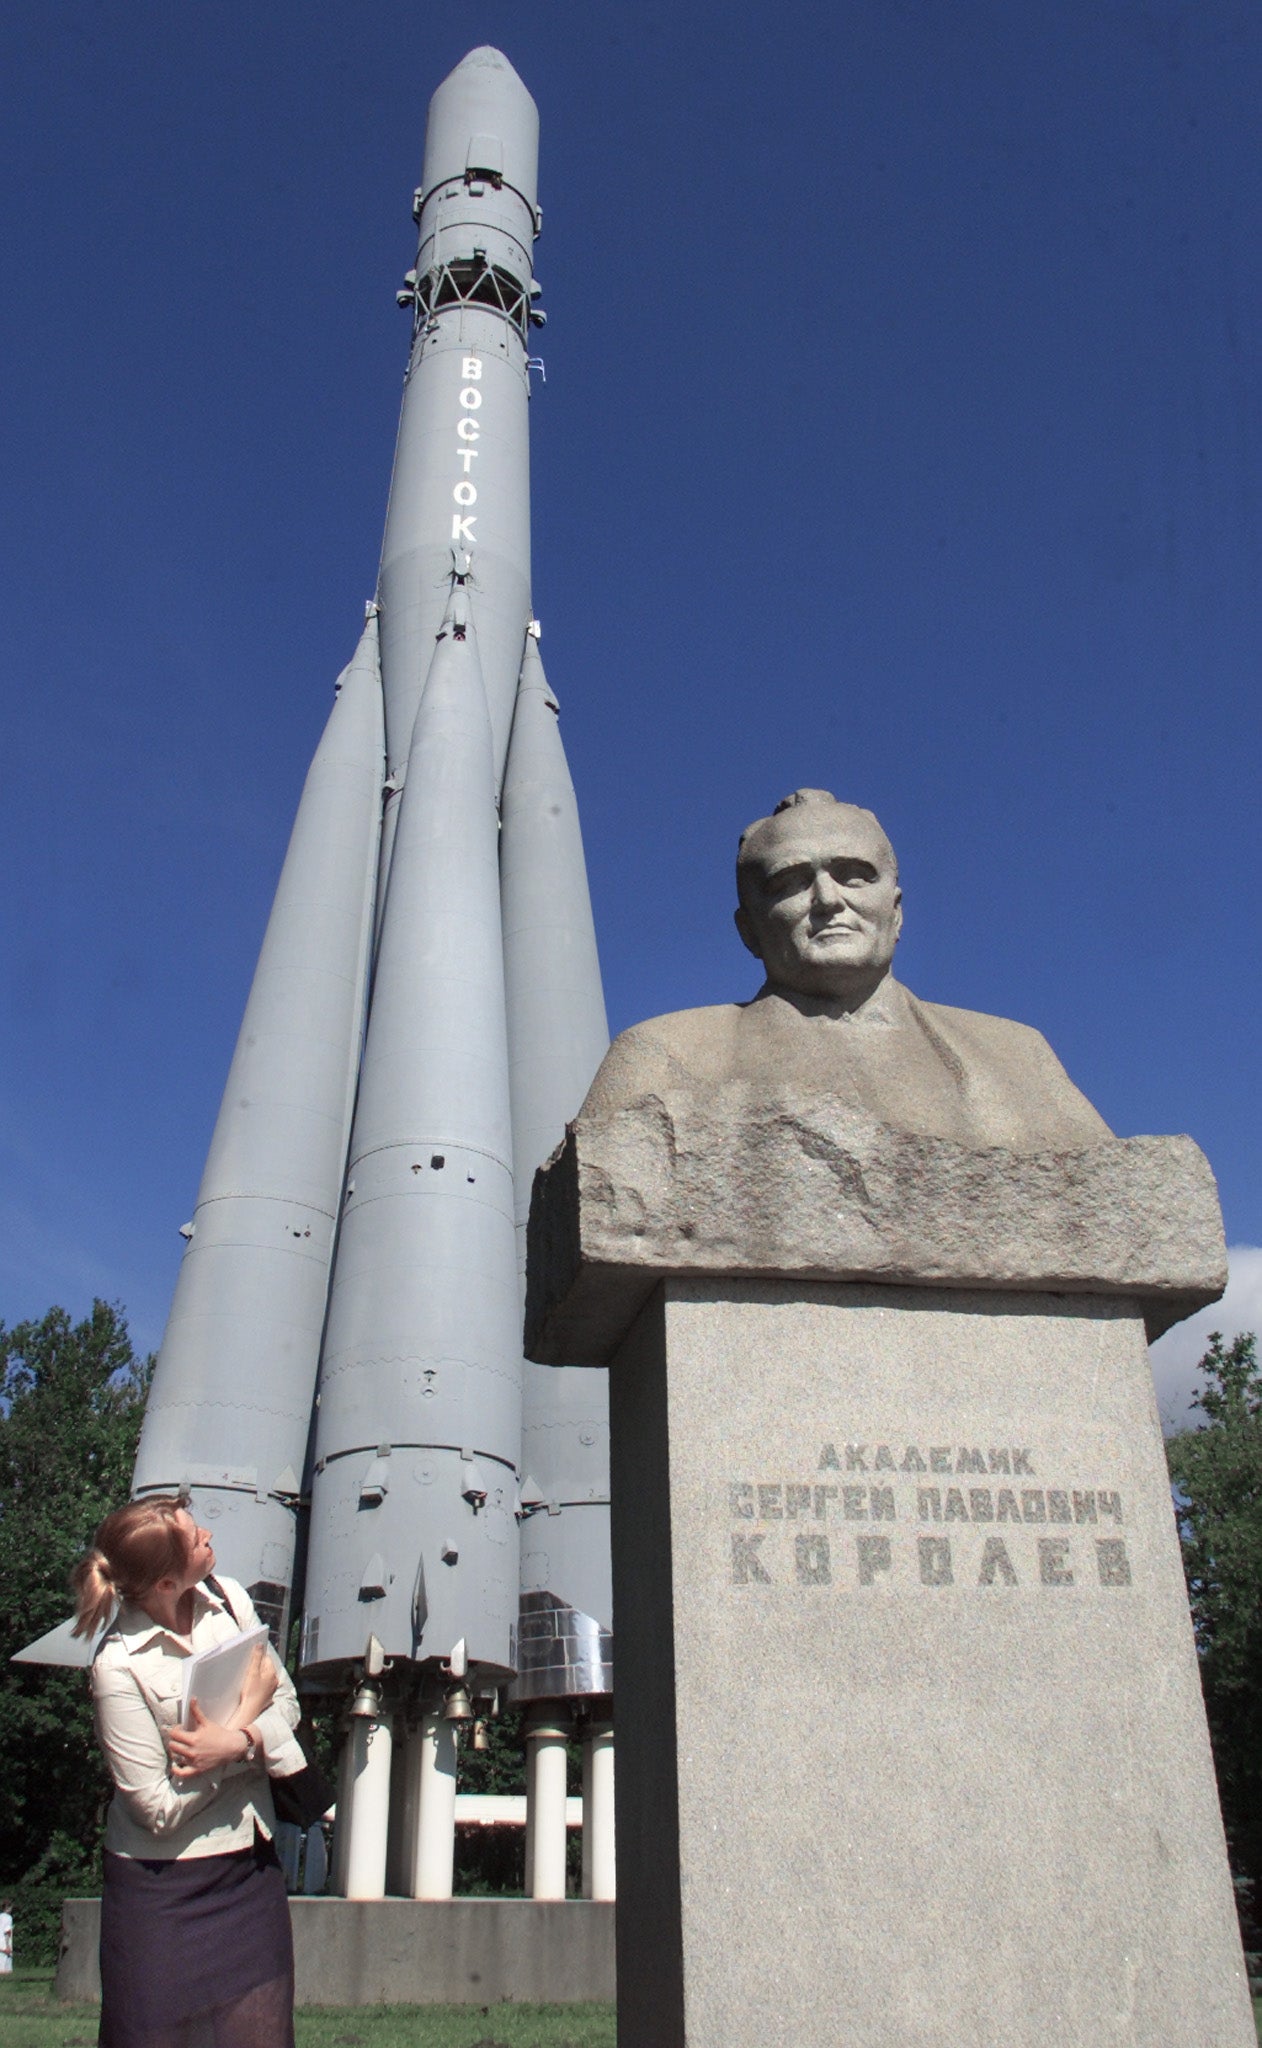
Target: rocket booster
x,y
557,1035
230,1408
413,1530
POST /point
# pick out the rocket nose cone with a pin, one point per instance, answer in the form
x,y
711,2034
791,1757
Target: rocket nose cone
x,y
483,98
485,58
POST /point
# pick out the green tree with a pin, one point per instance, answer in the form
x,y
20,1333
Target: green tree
x,y
1216,1471
71,1402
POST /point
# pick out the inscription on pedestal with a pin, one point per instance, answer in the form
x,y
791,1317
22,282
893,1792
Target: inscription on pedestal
x,y
789,1545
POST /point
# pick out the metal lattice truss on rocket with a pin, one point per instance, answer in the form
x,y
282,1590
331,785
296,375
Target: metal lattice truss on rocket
x,y
425,1016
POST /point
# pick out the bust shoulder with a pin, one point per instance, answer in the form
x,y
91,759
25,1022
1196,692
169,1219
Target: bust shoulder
x,y
1021,1090
979,1025
1000,1039
675,1050
682,1029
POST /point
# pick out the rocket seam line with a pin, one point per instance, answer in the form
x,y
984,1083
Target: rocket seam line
x,y
418,1144
358,1450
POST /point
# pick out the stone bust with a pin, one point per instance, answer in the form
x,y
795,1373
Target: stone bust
x,y
820,906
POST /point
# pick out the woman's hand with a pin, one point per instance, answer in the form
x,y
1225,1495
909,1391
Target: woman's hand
x,y
205,1746
258,1689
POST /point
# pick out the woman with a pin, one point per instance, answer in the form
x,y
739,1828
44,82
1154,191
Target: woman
x,y
195,1936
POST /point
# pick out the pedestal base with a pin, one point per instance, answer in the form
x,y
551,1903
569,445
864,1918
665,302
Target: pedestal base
x,y
911,1742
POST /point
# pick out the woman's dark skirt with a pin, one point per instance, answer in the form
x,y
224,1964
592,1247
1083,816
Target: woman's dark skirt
x,y
196,1952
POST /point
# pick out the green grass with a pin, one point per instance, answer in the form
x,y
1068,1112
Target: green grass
x,y
457,2026
30,2017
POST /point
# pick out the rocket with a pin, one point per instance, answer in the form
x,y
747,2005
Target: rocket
x,y
345,1338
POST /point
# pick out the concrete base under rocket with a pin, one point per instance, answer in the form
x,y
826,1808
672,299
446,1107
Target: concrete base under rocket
x,y
473,1952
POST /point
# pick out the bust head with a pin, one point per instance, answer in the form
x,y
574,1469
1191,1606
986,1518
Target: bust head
x,y
820,904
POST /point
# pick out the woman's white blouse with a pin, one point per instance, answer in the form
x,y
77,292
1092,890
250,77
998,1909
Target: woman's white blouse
x,y
137,1683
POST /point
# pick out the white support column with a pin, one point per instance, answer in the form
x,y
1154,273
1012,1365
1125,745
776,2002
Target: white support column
x,y
434,1745
366,1795
598,1825
545,1806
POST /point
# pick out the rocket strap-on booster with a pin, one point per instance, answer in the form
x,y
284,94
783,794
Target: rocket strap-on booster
x,y
557,1036
229,1412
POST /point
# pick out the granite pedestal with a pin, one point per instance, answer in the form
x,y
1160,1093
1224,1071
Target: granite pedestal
x,y
911,1741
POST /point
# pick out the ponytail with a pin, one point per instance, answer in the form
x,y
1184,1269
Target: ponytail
x,y
95,1591
133,1548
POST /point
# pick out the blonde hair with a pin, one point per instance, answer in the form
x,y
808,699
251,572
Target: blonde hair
x,y
133,1548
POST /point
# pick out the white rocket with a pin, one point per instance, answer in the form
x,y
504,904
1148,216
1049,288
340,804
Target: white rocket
x,y
426,1015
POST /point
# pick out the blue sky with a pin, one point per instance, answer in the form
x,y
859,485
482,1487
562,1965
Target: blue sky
x,y
901,434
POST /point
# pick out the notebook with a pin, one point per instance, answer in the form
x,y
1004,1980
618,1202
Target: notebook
x,y
214,1677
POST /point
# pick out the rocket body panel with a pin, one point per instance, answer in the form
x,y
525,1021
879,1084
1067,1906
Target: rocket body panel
x,y
461,477
557,1034
565,1641
238,1361
437,1040
422,1355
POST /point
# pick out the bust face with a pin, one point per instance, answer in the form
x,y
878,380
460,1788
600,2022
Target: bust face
x,y
823,908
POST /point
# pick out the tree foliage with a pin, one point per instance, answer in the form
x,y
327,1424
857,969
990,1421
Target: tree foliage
x,y
71,1402
1216,1471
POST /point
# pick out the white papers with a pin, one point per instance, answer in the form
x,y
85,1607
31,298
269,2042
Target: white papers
x,y
214,1677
